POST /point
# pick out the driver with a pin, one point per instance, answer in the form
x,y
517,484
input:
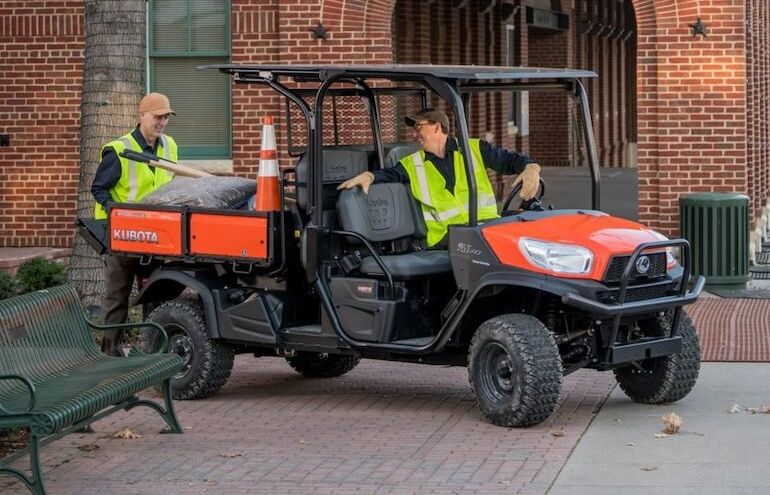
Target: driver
x,y
436,174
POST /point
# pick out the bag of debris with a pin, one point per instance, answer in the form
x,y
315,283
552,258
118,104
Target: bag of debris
x,y
205,192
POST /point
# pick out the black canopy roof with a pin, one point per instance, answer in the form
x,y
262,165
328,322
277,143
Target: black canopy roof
x,y
460,73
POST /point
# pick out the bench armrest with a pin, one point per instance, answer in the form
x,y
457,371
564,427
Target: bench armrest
x,y
29,386
150,324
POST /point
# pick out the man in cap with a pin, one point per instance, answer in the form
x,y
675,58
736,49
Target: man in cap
x,y
120,180
436,174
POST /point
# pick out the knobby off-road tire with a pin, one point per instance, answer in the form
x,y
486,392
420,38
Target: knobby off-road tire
x,y
515,370
208,363
667,378
321,365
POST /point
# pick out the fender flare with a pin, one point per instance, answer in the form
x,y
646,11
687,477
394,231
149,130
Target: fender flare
x,y
538,282
165,285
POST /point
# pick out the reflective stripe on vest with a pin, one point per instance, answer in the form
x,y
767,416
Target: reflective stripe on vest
x,y
137,180
441,207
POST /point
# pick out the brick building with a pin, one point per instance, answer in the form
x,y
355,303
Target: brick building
x,y
689,112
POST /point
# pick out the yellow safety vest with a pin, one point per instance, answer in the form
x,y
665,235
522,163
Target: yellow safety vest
x,y
137,180
442,208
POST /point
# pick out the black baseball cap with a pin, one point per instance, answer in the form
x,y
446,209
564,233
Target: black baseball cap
x,y
430,114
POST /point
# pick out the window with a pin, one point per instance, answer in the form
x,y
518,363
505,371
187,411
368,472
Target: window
x,y
182,35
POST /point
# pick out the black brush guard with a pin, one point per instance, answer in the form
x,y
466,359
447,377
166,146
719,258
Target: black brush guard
x,y
647,348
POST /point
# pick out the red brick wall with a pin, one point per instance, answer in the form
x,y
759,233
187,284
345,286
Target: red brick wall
x,y
758,100
41,49
702,102
691,104
358,32
550,124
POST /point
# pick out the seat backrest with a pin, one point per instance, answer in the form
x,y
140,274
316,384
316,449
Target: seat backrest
x,y
398,152
387,213
339,165
42,333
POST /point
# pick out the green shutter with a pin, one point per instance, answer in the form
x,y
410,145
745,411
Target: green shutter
x,y
185,34
201,100
169,25
209,26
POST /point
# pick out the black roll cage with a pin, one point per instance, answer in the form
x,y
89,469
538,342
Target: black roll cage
x,y
454,84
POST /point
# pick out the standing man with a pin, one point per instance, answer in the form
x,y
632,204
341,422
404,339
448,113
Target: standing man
x,y
436,174
120,180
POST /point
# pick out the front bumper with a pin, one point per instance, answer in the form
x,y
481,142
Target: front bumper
x,y
598,309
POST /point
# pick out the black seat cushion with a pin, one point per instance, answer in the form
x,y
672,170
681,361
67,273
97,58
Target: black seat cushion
x,y
409,265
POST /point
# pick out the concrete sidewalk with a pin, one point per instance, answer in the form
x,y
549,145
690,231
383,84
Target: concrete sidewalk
x,y
717,452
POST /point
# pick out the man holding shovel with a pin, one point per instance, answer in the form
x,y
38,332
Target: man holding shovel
x,y
123,180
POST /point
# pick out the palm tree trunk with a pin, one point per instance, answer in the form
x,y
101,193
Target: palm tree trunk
x,y
113,83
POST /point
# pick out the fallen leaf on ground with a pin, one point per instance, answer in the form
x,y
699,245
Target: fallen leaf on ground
x,y
735,409
631,444
760,409
672,423
126,434
649,468
230,455
558,433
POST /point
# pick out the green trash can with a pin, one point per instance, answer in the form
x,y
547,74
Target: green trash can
x,y
717,227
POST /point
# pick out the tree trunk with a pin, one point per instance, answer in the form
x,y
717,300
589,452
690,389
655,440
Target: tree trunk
x,y
113,83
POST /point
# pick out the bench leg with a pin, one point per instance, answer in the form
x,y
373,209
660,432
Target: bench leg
x,y
35,482
168,414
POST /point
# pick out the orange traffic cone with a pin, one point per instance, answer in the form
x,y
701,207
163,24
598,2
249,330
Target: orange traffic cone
x,y
268,183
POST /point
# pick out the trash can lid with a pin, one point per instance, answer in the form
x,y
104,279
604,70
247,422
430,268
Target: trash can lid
x,y
713,197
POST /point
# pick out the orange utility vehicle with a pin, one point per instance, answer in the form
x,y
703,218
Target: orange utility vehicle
x,y
334,277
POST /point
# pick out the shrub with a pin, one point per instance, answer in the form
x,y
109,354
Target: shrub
x,y
7,285
38,273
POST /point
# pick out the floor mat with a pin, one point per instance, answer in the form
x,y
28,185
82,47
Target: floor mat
x,y
732,329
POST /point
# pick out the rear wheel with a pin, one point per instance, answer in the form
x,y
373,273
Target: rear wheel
x,y
667,378
207,363
515,370
322,365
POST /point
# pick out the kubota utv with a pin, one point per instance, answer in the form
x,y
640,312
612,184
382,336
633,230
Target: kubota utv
x,y
334,277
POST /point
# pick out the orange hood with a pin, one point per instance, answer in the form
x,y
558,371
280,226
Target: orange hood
x,y
605,236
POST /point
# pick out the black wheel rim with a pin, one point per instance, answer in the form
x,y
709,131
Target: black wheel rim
x,y
497,372
180,343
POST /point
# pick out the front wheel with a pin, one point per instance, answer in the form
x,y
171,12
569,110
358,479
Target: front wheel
x,y
515,370
667,378
207,362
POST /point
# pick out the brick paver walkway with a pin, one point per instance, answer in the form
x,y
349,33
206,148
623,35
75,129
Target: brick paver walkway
x,y
385,428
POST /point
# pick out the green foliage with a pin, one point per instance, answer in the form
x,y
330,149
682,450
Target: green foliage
x,y
39,273
7,285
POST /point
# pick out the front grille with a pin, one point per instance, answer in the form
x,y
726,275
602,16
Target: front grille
x,y
641,293
618,264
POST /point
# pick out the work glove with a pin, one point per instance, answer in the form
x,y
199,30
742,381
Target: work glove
x,y
364,180
530,181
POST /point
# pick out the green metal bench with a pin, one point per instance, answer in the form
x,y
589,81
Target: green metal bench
x,y
54,380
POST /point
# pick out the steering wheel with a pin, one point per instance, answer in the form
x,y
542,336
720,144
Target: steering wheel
x,y
517,189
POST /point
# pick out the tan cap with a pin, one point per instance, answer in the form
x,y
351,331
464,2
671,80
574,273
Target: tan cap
x,y
156,104
430,114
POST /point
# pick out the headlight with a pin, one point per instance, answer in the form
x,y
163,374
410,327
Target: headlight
x,y
672,252
555,257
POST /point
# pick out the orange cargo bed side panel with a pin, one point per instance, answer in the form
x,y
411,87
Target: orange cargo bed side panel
x,y
236,236
146,231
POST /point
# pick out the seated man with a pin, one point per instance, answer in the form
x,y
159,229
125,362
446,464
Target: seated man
x,y
436,175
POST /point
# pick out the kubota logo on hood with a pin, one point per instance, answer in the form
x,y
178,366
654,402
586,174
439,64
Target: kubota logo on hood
x,y
130,235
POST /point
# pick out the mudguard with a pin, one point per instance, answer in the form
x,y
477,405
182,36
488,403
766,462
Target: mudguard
x,y
165,285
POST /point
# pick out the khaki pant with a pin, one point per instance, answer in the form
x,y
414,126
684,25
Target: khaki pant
x,y
119,277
